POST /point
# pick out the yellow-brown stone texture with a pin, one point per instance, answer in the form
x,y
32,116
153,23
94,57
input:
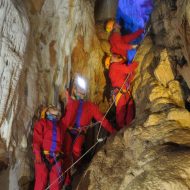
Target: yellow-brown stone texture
x,y
43,43
154,152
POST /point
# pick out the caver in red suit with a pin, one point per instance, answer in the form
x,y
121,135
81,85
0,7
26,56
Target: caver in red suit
x,y
120,43
47,146
79,114
125,109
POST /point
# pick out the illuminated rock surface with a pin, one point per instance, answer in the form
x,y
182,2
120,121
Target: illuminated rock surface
x,y
44,43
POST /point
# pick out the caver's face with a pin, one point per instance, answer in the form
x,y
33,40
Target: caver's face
x,y
78,93
109,26
107,62
54,111
115,58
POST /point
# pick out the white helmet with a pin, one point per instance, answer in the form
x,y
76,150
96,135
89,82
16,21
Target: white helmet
x,y
80,87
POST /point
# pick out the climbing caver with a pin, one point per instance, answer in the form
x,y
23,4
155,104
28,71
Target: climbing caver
x,y
79,114
121,76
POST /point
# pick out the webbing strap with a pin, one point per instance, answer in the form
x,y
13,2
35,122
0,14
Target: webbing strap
x,y
79,113
49,164
59,171
54,137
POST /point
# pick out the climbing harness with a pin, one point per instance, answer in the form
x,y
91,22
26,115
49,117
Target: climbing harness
x,y
116,93
73,165
52,154
77,128
47,154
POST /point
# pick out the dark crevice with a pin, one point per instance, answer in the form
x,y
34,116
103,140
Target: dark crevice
x,y
174,147
172,5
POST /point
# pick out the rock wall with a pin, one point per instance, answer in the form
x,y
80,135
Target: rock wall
x,y
14,29
105,9
154,152
170,24
61,41
14,32
44,43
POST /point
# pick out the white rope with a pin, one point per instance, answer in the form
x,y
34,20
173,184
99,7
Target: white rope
x,y
92,125
72,166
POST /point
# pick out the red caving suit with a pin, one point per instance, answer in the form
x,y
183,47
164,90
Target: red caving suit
x,y
47,137
120,43
125,109
72,144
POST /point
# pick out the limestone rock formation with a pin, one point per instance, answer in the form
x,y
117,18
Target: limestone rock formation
x,y
44,43
154,152
14,27
105,9
61,41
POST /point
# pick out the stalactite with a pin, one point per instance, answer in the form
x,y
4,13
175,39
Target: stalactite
x,y
13,36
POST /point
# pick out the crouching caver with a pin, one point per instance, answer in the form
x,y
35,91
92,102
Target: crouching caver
x,y
78,116
47,148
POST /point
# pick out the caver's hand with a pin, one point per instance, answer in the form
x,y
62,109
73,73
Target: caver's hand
x,y
64,96
134,46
